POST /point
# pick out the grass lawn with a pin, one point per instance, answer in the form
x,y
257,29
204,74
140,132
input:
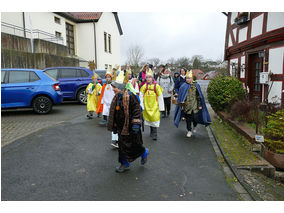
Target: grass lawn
x,y
236,146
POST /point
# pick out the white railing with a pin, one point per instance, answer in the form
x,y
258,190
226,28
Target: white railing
x,y
36,33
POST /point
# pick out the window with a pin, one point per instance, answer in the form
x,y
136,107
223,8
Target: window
x,y
257,85
101,74
83,73
58,34
109,43
68,73
33,77
70,38
56,20
106,66
3,76
105,41
19,76
52,73
110,67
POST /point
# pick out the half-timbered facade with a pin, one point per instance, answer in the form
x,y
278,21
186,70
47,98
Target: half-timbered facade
x,y
254,48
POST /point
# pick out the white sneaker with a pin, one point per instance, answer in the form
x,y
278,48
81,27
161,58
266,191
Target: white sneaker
x,y
194,130
189,134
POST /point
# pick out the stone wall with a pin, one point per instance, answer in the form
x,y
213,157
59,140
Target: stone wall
x,y
16,53
17,59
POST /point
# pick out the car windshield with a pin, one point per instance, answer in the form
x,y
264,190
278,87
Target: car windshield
x,y
101,73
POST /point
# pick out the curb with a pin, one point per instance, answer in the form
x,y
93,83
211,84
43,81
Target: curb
x,y
233,169
268,170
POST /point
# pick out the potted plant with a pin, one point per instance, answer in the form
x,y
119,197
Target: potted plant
x,y
274,139
241,18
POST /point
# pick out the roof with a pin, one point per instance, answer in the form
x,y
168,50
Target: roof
x,y
83,17
80,17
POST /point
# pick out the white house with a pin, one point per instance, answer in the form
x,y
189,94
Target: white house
x,y
88,35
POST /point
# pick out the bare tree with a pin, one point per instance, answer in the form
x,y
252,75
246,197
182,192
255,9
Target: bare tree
x,y
155,61
135,55
183,62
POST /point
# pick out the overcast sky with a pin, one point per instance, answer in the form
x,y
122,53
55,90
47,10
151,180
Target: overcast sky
x,y
166,35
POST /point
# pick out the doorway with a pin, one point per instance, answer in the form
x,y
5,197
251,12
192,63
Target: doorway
x,y
255,67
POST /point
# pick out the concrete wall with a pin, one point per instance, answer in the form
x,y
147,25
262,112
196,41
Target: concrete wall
x,y
16,53
18,43
16,59
15,43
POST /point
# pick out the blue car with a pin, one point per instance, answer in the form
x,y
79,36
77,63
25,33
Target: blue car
x,y
73,81
29,88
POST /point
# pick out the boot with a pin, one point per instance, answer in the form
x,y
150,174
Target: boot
x,y
154,133
144,157
122,168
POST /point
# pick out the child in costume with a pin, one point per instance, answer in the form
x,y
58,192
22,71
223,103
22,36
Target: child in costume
x,y
125,118
152,102
106,97
93,96
132,79
191,105
142,75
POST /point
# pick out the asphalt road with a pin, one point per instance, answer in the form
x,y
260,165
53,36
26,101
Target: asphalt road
x,y
73,160
16,123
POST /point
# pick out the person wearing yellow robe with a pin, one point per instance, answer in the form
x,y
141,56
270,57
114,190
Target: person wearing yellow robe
x,y
93,90
152,102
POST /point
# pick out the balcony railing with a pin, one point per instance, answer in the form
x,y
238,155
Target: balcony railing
x,y
27,33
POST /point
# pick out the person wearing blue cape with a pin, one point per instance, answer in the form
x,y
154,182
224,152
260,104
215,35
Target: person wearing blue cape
x,y
191,105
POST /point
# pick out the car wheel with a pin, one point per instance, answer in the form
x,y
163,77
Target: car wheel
x,y
82,96
42,105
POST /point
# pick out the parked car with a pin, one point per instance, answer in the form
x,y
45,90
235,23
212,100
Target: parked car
x,y
101,74
73,81
29,88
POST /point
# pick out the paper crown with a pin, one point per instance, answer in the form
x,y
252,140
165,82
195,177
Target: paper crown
x,y
121,80
116,67
188,74
92,65
150,73
108,72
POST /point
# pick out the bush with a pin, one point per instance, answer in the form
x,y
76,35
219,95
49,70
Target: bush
x,y
241,110
274,132
223,91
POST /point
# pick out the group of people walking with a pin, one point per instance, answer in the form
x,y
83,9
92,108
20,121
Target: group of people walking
x,y
128,103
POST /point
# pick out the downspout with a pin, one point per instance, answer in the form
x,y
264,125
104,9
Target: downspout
x,y
24,25
95,43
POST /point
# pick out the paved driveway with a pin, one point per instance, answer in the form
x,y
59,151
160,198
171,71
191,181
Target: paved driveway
x,y
18,123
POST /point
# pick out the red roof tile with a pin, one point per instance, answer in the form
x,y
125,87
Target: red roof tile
x,y
85,15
